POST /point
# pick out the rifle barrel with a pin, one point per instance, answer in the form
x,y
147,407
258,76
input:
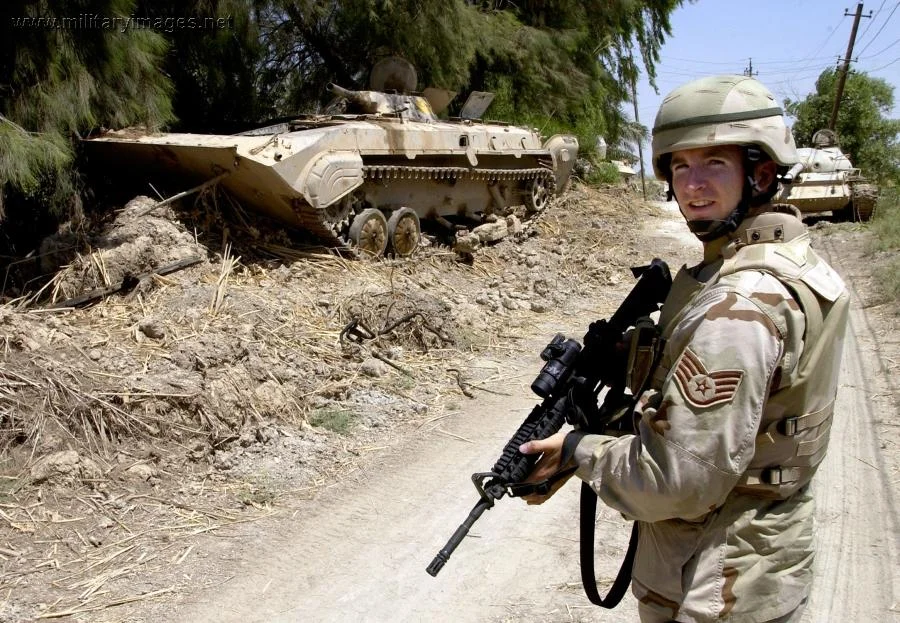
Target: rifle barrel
x,y
444,555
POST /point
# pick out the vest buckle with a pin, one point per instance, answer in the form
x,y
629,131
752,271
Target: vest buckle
x,y
771,476
789,426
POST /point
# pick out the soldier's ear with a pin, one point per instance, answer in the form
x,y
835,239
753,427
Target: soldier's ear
x,y
764,174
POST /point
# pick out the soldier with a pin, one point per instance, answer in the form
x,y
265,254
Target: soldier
x,y
737,414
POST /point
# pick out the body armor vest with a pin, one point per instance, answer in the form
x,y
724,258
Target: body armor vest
x,y
796,419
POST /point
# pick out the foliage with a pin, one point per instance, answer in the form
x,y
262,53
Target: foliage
x,y
336,420
57,83
213,70
865,133
604,173
886,223
886,227
552,64
555,65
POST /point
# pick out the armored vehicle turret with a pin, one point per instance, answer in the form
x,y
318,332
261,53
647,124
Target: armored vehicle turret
x,y
366,176
826,181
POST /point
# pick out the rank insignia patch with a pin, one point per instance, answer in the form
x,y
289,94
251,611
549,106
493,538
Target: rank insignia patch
x,y
702,388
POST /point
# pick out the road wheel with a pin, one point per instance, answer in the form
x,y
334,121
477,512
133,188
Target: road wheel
x,y
863,198
369,232
539,194
404,231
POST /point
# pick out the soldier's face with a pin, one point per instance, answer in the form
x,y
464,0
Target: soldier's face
x,y
708,181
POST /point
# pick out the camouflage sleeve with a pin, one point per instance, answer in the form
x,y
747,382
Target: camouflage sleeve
x,y
695,435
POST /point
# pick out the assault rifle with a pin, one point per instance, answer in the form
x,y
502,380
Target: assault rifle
x,y
569,384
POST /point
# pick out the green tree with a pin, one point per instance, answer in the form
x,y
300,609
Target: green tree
x,y
58,80
865,132
213,70
553,64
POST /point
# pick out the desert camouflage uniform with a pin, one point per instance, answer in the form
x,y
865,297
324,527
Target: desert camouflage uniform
x,y
717,474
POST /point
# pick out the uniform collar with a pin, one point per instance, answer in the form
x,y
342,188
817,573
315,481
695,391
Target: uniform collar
x,y
767,223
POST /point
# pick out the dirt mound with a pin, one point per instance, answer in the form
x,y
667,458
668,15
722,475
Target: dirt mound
x,y
218,387
141,239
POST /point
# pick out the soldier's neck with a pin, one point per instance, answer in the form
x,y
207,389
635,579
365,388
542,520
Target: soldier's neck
x,y
712,250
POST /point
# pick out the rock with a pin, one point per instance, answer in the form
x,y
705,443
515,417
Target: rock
x,y
265,434
482,298
65,465
582,167
531,261
24,342
540,307
541,286
223,460
491,232
375,368
141,471
466,244
510,304
152,328
270,398
514,225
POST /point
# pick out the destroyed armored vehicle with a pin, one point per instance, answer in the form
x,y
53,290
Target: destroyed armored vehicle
x,y
366,176
825,181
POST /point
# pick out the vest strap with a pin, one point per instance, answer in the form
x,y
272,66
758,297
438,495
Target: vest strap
x,y
811,447
795,424
776,475
809,303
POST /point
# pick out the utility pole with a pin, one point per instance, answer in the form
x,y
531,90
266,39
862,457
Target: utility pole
x,y
640,142
749,71
839,93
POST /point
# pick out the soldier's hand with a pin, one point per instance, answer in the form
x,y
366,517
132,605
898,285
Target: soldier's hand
x,y
547,466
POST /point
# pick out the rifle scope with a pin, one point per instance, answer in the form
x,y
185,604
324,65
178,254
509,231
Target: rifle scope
x,y
559,354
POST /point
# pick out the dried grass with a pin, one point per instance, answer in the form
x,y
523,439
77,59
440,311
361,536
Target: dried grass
x,y
91,378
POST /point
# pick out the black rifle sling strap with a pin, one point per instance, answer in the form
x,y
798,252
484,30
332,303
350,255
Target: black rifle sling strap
x,y
588,579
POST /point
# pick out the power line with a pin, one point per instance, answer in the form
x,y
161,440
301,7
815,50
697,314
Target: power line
x,y
882,51
827,39
788,61
885,65
869,25
821,47
880,29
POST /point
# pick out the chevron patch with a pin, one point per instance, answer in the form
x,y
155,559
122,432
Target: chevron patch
x,y
702,388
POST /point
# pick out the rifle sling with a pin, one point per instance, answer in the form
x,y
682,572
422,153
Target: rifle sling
x,y
588,579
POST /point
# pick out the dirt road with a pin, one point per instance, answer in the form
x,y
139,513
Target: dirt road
x,y
358,552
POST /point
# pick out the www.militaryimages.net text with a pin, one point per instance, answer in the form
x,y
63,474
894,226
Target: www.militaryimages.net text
x,y
95,21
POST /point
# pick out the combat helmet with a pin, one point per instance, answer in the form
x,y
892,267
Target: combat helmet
x,y
723,110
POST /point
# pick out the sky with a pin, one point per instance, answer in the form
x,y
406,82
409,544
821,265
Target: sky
x,y
789,42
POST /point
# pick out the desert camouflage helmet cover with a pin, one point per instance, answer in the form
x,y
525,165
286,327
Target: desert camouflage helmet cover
x,y
721,110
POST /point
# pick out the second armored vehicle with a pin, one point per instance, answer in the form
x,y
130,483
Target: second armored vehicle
x,y
365,177
825,181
